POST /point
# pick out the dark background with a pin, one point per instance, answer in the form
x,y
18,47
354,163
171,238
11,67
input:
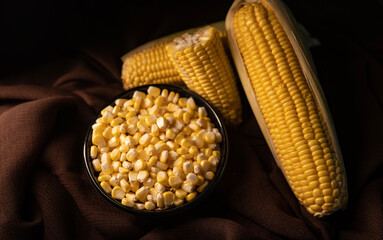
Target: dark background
x,y
34,33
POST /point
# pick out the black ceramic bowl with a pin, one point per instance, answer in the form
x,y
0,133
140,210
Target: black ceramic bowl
x,y
215,117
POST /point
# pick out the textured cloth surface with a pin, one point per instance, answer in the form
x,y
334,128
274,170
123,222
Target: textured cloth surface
x,y
58,71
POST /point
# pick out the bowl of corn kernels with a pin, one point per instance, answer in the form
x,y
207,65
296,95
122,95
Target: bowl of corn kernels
x,y
156,149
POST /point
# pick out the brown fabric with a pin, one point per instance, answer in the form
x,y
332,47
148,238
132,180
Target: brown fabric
x,y
47,106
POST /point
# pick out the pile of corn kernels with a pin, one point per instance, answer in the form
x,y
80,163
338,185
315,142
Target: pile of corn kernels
x,y
156,150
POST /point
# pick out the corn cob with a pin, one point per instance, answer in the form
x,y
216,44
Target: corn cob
x,y
201,61
149,63
293,119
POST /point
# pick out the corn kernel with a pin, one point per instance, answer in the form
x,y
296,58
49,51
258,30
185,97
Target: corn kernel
x,y
147,102
116,165
191,104
142,176
191,196
205,166
187,131
125,185
105,158
202,112
162,166
113,181
178,114
96,165
107,117
169,172
149,182
194,126
106,168
159,187
159,101
150,197
173,155
178,126
142,127
127,202
127,165
187,167
115,122
203,186
154,91
187,187
209,137
160,200
99,141
132,177
141,194
171,96
139,165
132,154
153,174
201,157
115,154
168,198
218,135
180,193
191,178
186,143
149,206
162,178
138,95
193,150
201,122
209,175
186,117
201,179
120,102
173,107
106,187
93,152
104,178
198,142
175,181
176,98
182,151
131,196
155,169
113,142
155,131
214,161
161,123
178,202
118,193
145,139
170,134
178,171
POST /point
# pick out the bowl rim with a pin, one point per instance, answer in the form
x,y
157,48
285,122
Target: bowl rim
x,y
215,117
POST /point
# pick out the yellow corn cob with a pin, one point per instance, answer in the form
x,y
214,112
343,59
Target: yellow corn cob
x,y
204,66
149,63
293,118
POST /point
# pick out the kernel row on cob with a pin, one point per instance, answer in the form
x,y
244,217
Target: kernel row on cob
x,y
285,95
